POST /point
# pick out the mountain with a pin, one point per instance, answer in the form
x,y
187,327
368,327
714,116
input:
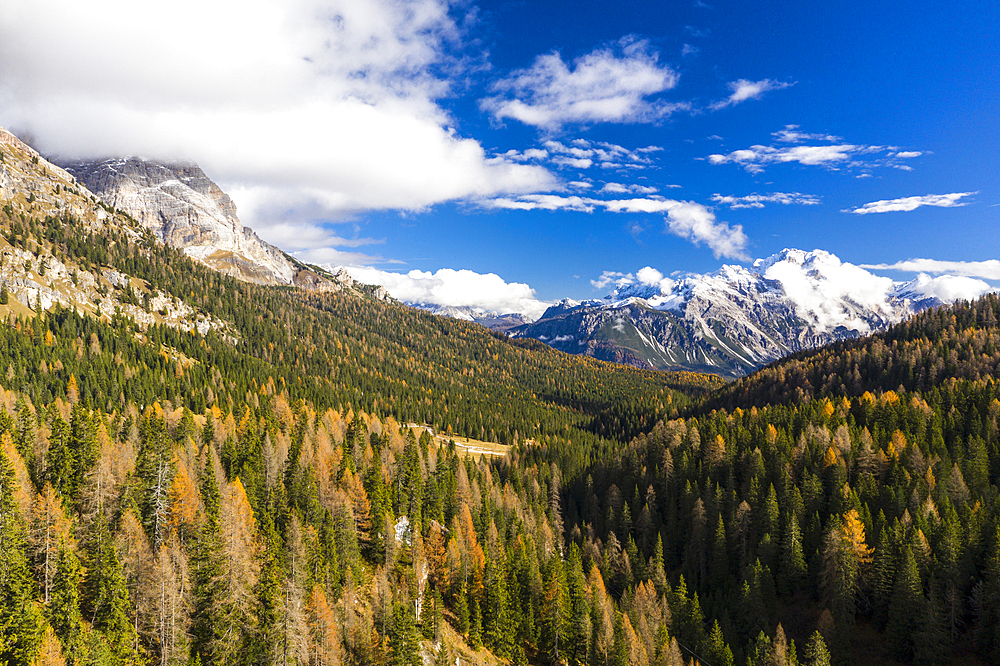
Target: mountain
x,y
490,319
200,469
736,319
187,210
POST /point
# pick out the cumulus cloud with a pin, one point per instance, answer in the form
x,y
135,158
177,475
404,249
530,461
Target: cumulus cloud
x,y
457,288
907,204
758,200
654,278
609,278
742,90
686,219
822,288
989,269
331,102
698,224
648,276
607,85
949,288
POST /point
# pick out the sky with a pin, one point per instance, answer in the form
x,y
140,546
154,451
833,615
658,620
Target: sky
x,y
509,154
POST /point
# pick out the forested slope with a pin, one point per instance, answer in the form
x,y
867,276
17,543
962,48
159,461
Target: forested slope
x,y
851,489
195,470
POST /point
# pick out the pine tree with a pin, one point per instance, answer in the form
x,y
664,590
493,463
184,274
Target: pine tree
x,y
21,623
717,651
554,621
64,606
816,653
498,627
792,563
907,603
404,640
109,600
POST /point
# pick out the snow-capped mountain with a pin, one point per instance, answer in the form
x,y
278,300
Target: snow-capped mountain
x,y
489,318
736,319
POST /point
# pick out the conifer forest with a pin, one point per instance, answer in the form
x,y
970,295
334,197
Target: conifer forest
x,y
290,487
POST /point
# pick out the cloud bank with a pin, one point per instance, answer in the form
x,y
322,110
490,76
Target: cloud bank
x,y
328,105
949,288
989,269
907,204
609,85
456,288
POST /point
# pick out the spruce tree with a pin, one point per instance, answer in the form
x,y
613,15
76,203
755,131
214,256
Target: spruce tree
x,y
21,623
906,604
64,606
816,653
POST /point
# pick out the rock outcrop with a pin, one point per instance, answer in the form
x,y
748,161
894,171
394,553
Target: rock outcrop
x,y
184,208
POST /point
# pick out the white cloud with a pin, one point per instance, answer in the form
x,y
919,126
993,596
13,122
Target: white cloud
x,y
456,288
989,269
698,224
574,162
834,156
619,188
949,288
689,220
543,202
823,288
743,90
758,200
331,103
655,278
791,134
906,204
609,278
607,85
754,158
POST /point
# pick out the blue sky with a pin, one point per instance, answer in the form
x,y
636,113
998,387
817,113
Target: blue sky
x,y
544,142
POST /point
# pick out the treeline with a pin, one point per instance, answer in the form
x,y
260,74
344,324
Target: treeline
x,y
919,354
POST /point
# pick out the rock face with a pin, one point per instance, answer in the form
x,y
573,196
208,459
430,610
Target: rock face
x,y
733,321
184,208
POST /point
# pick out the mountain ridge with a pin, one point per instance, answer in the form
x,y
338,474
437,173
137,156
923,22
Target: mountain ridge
x,y
183,207
736,319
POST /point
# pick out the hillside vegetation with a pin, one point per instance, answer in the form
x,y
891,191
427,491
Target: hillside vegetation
x,y
196,470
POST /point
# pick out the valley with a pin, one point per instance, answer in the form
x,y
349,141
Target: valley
x,y
199,465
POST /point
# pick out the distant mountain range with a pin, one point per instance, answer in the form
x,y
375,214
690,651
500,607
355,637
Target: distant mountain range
x,y
734,320
489,318
729,322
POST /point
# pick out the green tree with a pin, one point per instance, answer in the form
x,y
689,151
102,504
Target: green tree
x,y
64,606
907,603
816,653
404,639
21,622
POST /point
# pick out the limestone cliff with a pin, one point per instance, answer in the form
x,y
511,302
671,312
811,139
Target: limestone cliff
x,y
185,209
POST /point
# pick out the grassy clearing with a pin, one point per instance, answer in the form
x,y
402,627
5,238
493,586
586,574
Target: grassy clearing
x,y
474,447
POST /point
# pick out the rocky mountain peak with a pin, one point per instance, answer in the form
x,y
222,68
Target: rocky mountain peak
x,y
183,207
